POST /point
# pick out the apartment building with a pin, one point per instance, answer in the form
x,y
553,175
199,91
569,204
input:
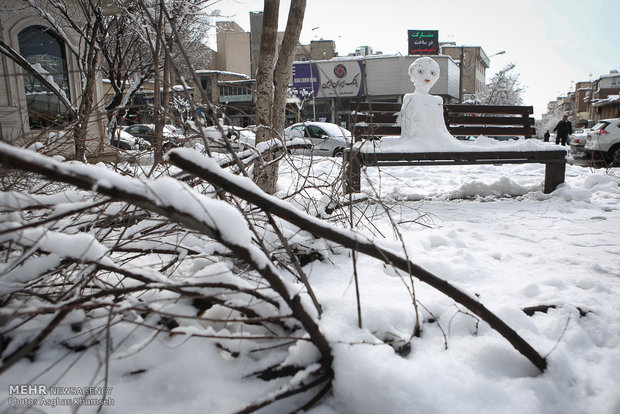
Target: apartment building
x,y
591,101
473,62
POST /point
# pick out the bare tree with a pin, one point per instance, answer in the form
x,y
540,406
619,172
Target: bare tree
x,y
127,64
504,88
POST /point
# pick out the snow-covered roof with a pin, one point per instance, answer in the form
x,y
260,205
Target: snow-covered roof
x,y
221,72
611,99
241,81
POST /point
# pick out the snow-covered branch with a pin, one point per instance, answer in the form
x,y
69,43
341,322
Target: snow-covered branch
x,y
180,204
242,187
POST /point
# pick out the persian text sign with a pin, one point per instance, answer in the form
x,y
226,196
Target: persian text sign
x,y
423,42
327,79
340,78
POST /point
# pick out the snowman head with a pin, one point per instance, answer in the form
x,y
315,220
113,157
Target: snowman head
x,y
424,72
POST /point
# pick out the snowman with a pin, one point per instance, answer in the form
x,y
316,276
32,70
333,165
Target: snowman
x,y
421,115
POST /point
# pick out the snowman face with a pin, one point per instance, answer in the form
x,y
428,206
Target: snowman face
x,y
424,72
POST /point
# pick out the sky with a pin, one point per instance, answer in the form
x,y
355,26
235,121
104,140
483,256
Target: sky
x,y
553,43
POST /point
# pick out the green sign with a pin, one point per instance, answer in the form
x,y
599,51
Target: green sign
x,y
423,42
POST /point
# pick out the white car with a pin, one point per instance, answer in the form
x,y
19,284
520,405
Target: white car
x,y
124,140
239,138
327,139
604,140
147,131
578,140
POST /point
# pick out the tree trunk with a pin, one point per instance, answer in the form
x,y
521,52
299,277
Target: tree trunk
x,y
264,93
284,67
91,59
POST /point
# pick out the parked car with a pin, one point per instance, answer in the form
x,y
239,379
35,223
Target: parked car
x,y
604,140
578,140
147,132
124,140
327,139
239,138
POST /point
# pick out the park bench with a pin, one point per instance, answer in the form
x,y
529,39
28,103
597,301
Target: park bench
x,y
373,120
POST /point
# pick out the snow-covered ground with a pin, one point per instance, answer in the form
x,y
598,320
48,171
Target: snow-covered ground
x,y
494,234
487,229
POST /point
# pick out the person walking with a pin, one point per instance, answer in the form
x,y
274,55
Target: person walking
x,y
546,136
563,129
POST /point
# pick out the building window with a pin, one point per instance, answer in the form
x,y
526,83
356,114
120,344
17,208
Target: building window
x,y
44,50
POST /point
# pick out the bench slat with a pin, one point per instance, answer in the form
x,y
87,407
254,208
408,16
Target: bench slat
x,y
453,119
375,130
489,109
450,119
375,118
376,106
456,108
492,130
381,130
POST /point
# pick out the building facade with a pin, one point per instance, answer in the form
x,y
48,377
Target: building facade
x,y
234,49
29,110
603,100
590,102
473,63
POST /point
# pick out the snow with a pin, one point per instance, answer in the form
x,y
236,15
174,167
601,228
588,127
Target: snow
x,y
438,144
487,229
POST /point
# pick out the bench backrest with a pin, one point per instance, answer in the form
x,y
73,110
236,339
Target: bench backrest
x,y
373,119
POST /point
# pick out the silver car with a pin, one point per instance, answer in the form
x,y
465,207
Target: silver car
x,y
578,140
327,139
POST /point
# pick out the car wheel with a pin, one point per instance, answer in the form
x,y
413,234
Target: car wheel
x,y
614,155
338,152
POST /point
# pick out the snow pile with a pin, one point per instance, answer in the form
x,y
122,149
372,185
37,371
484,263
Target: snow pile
x,y
433,142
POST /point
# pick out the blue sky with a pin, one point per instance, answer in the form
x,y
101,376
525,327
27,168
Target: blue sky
x,y
552,42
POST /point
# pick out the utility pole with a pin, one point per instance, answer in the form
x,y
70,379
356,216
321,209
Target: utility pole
x,y
461,62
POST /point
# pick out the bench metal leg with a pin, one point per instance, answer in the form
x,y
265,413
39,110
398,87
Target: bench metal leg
x,y
352,173
554,175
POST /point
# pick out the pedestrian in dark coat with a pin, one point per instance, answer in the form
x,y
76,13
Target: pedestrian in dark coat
x,y
546,136
563,128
